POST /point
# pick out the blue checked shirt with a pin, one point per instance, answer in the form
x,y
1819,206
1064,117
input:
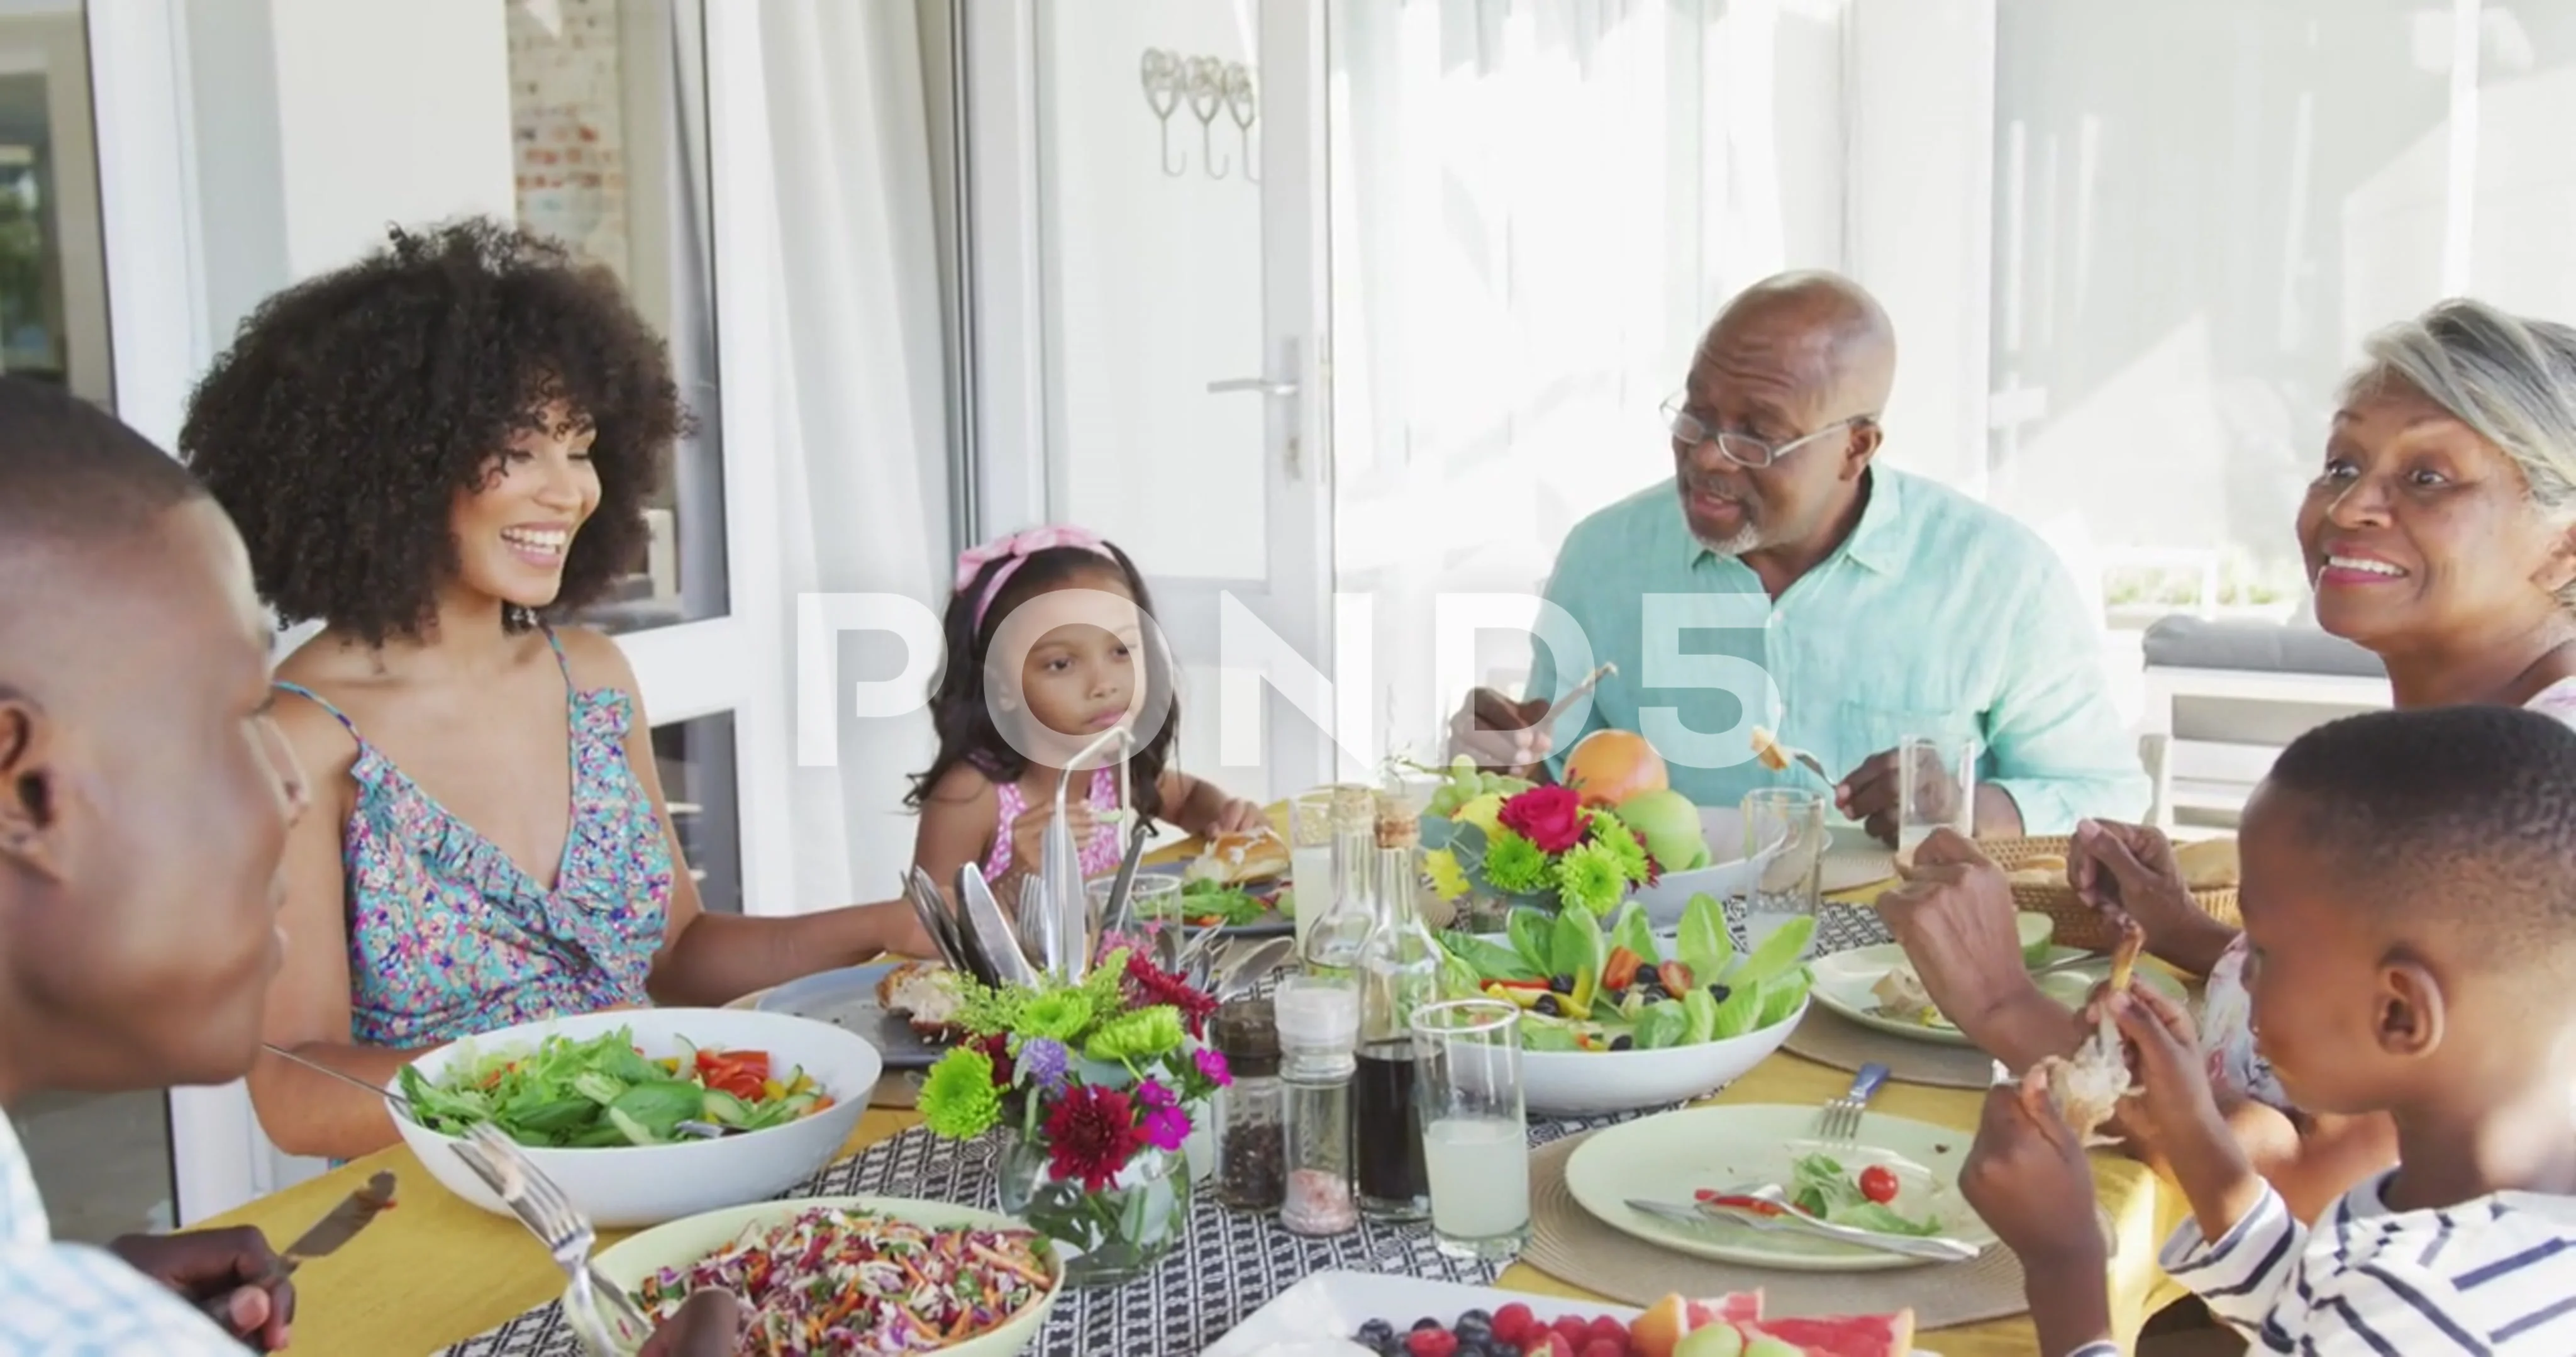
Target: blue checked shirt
x,y
1937,616
72,1300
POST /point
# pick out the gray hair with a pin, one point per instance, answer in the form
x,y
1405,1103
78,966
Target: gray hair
x,y
2510,379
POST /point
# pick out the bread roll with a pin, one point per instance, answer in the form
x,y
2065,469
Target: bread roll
x,y
2208,864
1236,858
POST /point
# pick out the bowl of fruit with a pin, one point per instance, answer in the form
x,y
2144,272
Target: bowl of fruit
x,y
1632,1017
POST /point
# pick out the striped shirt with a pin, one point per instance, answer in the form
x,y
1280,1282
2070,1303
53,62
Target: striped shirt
x,y
2496,1275
71,1300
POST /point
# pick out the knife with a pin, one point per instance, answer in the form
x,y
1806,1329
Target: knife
x,y
1935,1248
353,1214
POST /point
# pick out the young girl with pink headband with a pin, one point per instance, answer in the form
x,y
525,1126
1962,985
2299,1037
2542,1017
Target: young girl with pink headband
x,y
1050,643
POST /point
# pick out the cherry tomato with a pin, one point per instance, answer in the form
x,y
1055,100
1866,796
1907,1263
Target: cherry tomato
x,y
1878,1183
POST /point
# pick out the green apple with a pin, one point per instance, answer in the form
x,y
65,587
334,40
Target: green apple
x,y
1768,1346
1669,824
1719,1339
2038,932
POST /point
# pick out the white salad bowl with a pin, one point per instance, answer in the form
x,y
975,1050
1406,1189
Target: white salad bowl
x,y
630,1185
1730,874
682,1243
1589,1083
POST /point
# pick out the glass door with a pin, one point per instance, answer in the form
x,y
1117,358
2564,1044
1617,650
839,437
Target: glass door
x,y
1178,210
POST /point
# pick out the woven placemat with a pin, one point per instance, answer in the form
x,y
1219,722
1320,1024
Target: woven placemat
x,y
1829,1038
1566,1242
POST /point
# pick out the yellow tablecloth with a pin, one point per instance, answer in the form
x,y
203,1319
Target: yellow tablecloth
x,y
436,1271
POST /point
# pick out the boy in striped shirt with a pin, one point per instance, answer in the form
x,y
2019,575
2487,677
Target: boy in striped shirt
x,y
2409,893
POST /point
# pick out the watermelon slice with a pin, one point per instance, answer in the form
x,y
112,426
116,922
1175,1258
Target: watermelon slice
x,y
1735,1307
1842,1336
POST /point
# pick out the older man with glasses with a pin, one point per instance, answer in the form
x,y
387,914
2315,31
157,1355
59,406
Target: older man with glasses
x,y
1843,604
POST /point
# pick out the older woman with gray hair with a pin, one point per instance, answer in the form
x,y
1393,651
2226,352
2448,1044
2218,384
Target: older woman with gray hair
x,y
2440,534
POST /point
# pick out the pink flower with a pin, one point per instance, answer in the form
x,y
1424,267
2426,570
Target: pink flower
x,y
1551,817
1153,1094
1212,1064
1166,1128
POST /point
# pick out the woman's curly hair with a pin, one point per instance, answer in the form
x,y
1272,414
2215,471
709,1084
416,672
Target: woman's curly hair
x,y
353,408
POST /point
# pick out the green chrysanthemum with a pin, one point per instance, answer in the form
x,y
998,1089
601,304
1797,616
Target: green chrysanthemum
x,y
1061,1014
1621,843
1589,875
987,1012
958,1099
1515,865
1145,1034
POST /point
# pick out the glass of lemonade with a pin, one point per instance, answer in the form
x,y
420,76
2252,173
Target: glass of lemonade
x,y
1936,787
1475,1131
1310,859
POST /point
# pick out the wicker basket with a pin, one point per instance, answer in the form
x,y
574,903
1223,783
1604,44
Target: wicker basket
x,y
2079,924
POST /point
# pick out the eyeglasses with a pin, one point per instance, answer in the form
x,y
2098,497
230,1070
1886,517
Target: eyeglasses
x,y
1689,432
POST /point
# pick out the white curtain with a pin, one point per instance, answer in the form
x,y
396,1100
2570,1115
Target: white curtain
x,y
1537,207
862,425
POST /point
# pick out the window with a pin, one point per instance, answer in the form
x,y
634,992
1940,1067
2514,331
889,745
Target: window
x,y
696,759
2200,208
608,127
101,1161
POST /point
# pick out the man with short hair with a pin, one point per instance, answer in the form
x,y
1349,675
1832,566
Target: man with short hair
x,y
144,803
1804,588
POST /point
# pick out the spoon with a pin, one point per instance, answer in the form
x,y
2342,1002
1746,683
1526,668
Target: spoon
x,y
1244,968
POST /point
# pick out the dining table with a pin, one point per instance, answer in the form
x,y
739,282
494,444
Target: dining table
x,y
438,1271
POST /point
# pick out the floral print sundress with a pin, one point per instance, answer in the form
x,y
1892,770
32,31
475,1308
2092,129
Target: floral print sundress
x,y
448,937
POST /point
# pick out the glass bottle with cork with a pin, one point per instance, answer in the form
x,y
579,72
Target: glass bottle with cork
x,y
1333,945
1399,969
1251,1140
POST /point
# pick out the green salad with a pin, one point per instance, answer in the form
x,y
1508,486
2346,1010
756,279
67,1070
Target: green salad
x,y
1202,903
1821,1187
568,1093
1585,989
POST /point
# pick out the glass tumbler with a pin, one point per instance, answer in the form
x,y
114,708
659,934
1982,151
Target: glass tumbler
x,y
1475,1130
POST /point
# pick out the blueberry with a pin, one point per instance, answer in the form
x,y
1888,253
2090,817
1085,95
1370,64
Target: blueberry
x,y
1622,1042
1426,1322
1474,1327
1547,1004
1719,992
1375,1333
1563,984
1472,1347
1478,1318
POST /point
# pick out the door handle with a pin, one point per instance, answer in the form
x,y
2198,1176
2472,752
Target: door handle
x,y
1263,385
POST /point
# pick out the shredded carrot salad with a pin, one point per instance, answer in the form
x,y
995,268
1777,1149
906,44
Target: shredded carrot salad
x,y
834,1281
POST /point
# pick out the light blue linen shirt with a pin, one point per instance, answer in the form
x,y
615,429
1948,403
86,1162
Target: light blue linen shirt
x,y
72,1300
1937,616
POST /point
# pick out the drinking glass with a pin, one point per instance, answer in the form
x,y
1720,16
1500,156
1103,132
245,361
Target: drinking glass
x,y
1310,858
1790,885
1475,1129
1154,902
1936,787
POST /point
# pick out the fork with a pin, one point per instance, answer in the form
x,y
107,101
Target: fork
x,y
1838,1122
598,1309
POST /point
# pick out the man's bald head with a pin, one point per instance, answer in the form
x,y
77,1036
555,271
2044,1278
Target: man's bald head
x,y
1823,326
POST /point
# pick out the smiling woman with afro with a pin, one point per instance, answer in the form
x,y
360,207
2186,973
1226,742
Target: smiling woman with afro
x,y
433,450
356,408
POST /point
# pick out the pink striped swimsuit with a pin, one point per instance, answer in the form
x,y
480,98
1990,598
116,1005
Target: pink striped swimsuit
x,y
1099,857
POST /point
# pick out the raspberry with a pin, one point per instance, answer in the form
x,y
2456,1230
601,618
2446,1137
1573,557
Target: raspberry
x,y
1603,1347
1573,1329
1514,1323
1607,1330
1547,1343
1431,1343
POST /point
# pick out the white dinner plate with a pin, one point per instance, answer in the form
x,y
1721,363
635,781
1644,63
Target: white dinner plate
x,y
1669,1157
1317,1316
1843,981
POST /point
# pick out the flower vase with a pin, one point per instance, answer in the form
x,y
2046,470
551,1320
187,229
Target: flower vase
x,y
1109,1237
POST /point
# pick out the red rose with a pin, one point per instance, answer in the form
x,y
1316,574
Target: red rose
x,y
1550,817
